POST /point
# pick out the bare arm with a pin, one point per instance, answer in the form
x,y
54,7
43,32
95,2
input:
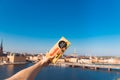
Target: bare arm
x,y
30,72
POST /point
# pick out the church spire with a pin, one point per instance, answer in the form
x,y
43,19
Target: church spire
x,y
1,45
1,48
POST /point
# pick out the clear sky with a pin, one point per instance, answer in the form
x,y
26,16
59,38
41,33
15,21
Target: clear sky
x,y
92,26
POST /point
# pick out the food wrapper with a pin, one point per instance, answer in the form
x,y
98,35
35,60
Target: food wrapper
x,y
58,49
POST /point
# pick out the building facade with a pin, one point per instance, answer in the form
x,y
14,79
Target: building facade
x,y
16,58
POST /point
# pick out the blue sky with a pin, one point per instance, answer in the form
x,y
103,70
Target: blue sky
x,y
92,26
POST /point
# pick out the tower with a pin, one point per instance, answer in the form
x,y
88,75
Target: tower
x,y
75,54
1,48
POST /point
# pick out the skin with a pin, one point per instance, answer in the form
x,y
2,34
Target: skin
x,y
30,72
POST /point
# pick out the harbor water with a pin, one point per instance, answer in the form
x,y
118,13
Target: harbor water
x,y
61,73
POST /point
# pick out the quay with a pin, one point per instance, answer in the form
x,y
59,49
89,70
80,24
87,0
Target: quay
x,y
13,63
90,66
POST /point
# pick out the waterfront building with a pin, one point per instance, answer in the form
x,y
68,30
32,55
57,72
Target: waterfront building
x,y
85,61
4,59
112,61
61,60
16,58
71,59
35,58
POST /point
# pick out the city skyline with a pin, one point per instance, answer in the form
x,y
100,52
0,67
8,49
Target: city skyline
x,y
92,27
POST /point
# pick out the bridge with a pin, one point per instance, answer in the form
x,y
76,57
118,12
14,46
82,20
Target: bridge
x,y
93,66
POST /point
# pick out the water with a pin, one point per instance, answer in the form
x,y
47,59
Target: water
x,y
61,73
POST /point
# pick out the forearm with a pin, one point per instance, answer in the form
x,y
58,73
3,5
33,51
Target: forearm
x,y
30,72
